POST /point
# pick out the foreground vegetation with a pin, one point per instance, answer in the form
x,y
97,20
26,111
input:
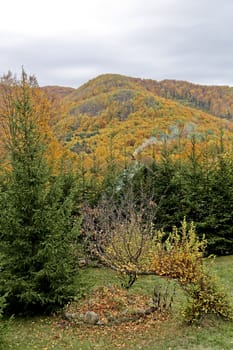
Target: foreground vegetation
x,y
172,333
52,216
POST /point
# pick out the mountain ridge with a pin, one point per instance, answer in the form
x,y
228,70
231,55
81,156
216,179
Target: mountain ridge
x,y
214,99
124,113
132,117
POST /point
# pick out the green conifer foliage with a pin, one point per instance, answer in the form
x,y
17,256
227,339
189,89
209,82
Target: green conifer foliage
x,y
36,229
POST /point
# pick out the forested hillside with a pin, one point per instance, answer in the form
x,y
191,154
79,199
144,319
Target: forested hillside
x,y
216,100
116,131
130,117
175,137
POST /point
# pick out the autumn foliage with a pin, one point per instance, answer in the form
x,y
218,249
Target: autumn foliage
x,y
134,248
113,131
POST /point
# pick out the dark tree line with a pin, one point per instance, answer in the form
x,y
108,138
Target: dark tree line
x,y
199,189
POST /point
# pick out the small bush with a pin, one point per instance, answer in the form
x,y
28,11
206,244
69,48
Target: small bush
x,y
206,297
181,256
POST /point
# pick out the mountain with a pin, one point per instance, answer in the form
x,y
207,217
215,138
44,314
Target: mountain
x,y
127,118
216,100
57,91
130,118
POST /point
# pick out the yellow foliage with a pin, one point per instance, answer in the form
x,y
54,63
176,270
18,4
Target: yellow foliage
x,y
178,255
40,114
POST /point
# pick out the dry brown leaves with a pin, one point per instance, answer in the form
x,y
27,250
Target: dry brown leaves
x,y
113,303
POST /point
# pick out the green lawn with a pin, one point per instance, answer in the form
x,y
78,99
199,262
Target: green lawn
x,y
46,333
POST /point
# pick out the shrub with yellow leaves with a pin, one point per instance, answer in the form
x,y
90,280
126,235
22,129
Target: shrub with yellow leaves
x,y
131,245
180,255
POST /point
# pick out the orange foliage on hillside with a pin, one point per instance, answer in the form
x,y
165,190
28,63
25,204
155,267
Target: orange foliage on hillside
x,y
131,118
117,112
42,116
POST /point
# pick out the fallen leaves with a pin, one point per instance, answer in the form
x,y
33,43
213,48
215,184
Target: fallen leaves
x,y
112,303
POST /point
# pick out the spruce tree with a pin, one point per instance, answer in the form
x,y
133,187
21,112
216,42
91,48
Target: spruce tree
x,y
36,228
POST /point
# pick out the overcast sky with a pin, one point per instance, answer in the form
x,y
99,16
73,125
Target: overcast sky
x,y
67,42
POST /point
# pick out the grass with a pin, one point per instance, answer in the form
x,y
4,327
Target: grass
x,y
47,333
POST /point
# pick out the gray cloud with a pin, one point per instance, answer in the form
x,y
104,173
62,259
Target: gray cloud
x,y
168,39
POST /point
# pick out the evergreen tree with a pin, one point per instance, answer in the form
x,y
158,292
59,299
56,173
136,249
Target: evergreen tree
x,y
199,187
218,221
36,227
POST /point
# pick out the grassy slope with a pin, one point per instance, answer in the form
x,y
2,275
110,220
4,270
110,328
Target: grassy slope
x,y
47,333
